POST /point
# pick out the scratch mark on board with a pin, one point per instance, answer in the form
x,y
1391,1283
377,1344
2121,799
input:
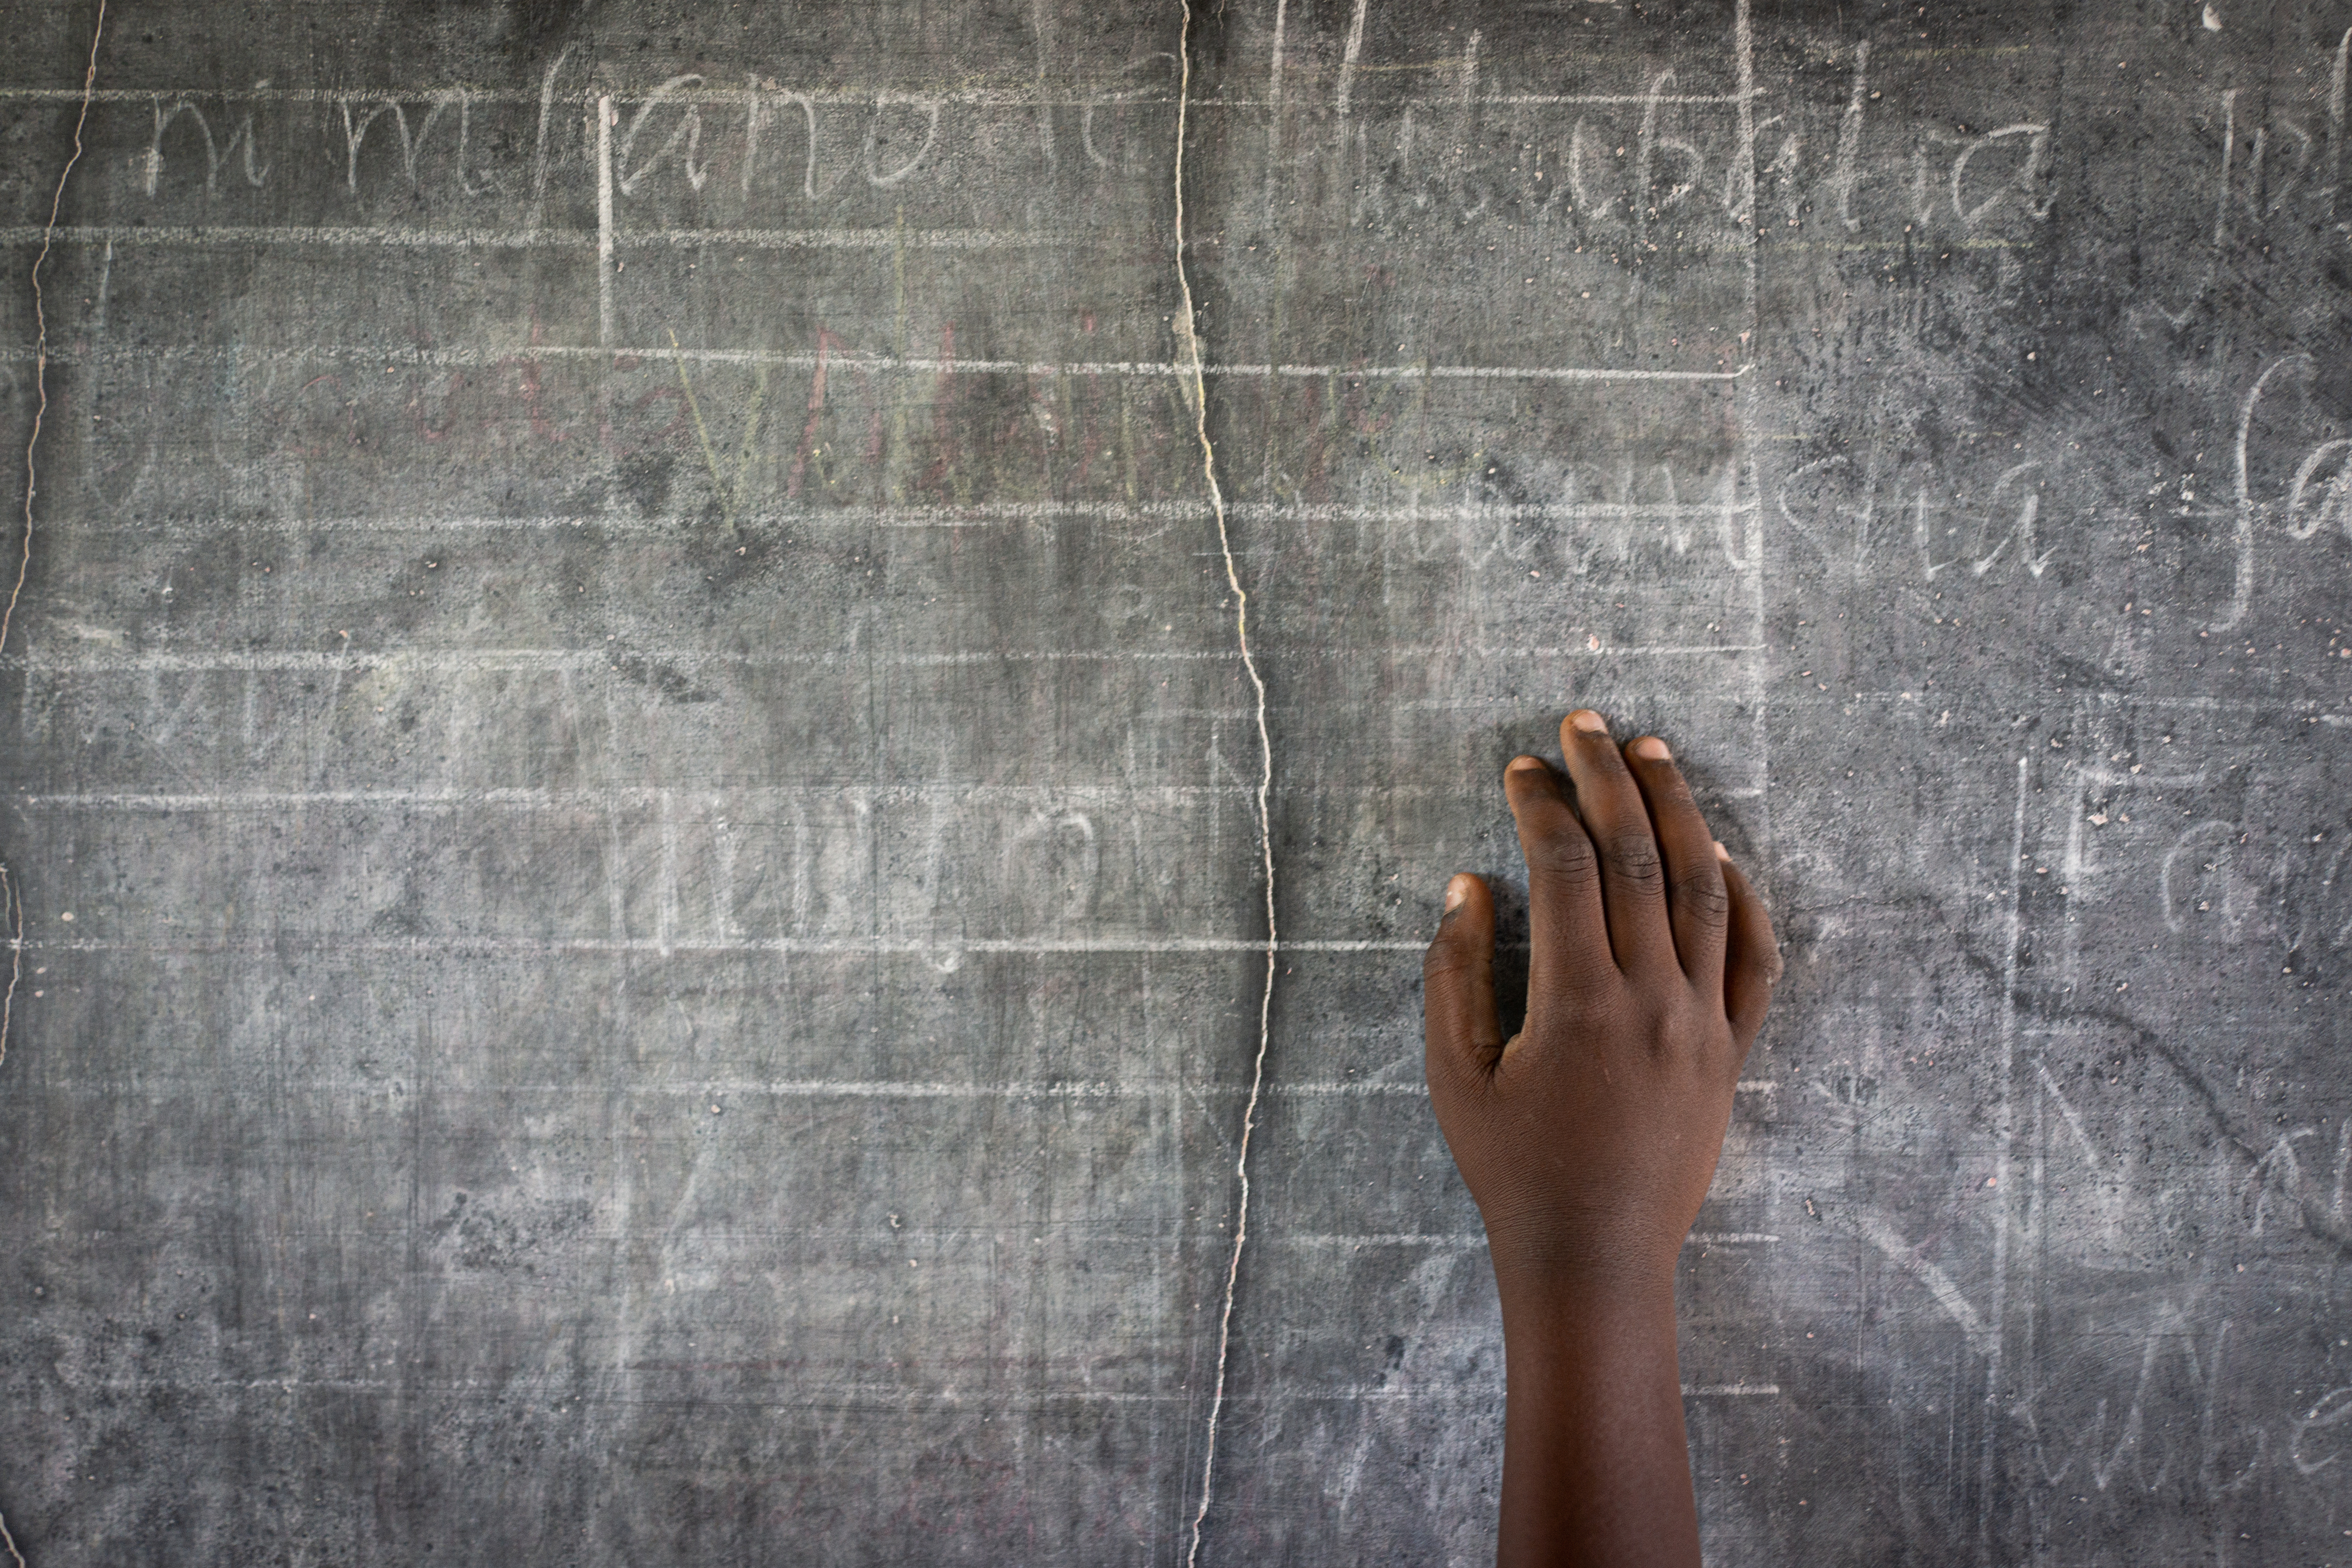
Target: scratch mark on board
x,y
2006,1130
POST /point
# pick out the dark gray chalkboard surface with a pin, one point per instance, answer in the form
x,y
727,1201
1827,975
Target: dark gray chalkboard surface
x,y
637,792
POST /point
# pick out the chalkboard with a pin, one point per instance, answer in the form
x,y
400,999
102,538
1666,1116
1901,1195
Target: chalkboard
x,y
716,708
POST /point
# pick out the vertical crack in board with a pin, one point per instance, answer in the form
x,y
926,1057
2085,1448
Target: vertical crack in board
x,y
11,899
1196,388
41,330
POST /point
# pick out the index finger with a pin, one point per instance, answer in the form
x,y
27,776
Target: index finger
x,y
1568,937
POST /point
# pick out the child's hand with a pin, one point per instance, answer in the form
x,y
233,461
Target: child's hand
x,y
1589,1139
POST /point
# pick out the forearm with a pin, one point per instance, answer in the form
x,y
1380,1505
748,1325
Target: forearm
x,y
1595,1467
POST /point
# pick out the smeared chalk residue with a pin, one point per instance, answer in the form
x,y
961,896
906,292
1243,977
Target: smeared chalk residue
x,y
1355,46
1880,1232
604,117
1189,368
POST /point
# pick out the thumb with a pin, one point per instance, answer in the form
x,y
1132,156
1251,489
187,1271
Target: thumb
x,y
1458,983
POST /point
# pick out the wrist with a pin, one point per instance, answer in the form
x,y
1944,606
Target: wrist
x,y
1586,1300
1587,1274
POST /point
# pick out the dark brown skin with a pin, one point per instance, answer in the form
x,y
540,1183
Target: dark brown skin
x,y
1589,1138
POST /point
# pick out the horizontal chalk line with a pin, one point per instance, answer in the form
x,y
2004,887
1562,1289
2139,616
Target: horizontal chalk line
x,y
1478,1238
721,1089
803,1394
858,363
1006,514
214,236
687,658
694,803
1539,98
1111,93
847,947
851,1089
684,799
1009,97
576,658
2109,698
812,1395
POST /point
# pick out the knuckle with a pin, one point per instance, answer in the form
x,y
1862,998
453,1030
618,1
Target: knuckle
x,y
1701,894
1562,854
1633,857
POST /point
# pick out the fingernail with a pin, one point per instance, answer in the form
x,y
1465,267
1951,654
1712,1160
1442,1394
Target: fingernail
x,y
1720,852
1650,748
1592,723
1521,764
1456,890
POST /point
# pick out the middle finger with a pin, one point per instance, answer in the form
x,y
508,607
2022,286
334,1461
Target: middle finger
x,y
1633,878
